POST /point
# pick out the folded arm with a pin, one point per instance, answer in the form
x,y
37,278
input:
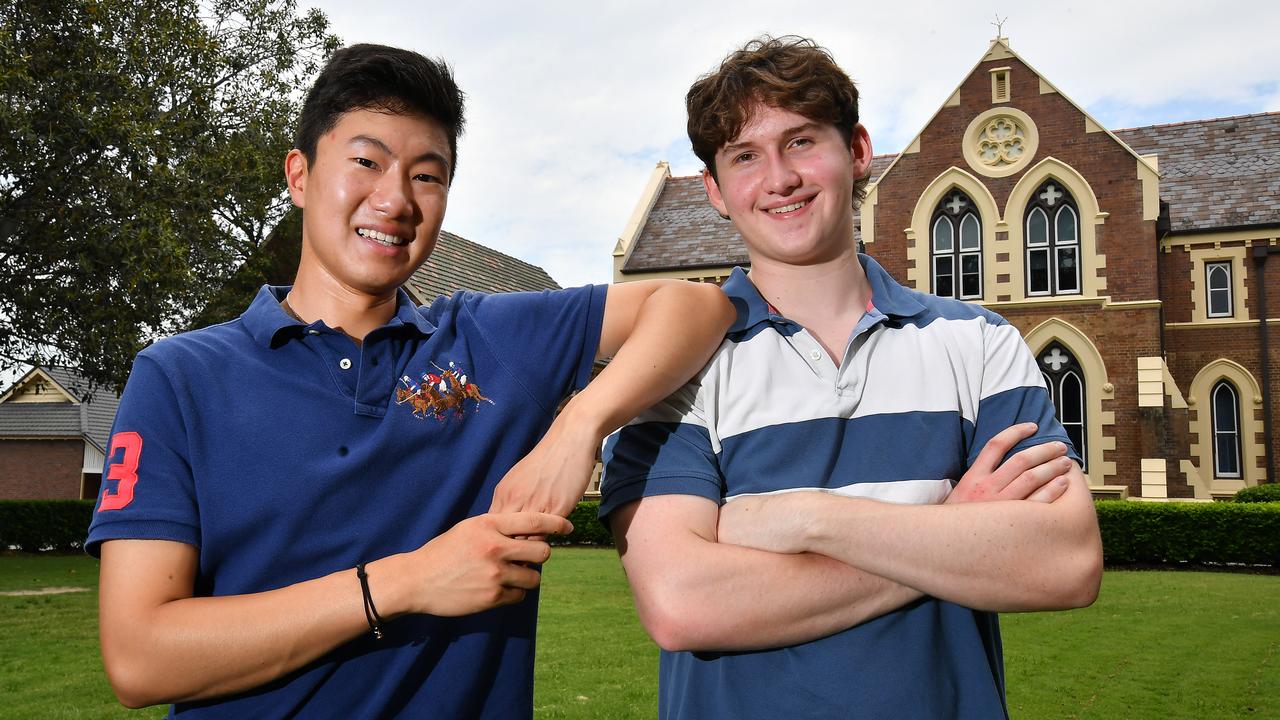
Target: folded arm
x,y
659,334
160,644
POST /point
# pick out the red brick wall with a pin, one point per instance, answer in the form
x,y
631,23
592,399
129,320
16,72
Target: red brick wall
x,y
41,469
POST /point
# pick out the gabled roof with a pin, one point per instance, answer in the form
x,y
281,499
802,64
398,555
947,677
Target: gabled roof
x,y
684,231
459,264
1217,173
88,415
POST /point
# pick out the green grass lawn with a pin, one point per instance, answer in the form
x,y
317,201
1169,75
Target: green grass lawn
x,y
1155,645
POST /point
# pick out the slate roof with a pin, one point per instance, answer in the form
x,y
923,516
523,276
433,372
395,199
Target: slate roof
x,y
91,418
1217,173
459,264
683,231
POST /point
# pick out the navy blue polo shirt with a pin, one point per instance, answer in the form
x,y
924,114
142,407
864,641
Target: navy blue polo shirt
x,y
286,452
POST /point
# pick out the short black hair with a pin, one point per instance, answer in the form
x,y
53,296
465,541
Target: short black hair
x,y
385,79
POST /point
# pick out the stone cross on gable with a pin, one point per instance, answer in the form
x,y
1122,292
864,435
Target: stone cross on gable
x,y
1051,195
956,204
1055,359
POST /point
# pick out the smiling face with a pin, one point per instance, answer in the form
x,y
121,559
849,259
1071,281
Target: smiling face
x,y
373,200
786,182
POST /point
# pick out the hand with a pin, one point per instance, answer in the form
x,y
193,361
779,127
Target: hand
x,y
553,476
481,563
1037,473
776,523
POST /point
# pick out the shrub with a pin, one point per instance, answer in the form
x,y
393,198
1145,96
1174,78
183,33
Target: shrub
x,y
40,525
587,528
1143,532
1259,493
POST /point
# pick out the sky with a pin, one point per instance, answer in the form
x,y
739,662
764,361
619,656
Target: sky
x,y
572,104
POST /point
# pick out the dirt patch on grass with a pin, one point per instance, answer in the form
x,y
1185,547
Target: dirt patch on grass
x,y
44,591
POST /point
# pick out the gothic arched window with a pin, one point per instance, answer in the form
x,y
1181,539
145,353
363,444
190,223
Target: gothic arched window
x,y
956,248
1065,379
1052,242
1226,430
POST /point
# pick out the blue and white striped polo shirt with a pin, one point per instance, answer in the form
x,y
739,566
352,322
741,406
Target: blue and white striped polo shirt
x,y
924,383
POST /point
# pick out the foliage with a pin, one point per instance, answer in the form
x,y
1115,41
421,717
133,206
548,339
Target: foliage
x,y
141,144
1258,493
1145,532
34,525
587,528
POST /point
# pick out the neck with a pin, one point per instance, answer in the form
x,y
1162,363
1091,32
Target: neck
x,y
826,298
345,309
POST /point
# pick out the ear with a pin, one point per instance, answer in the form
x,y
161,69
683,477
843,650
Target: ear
x,y
860,151
295,175
713,193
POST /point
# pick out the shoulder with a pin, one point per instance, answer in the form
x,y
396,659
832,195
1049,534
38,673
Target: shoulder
x,y
217,345
951,310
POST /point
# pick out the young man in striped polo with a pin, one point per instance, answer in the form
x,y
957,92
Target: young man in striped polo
x,y
874,596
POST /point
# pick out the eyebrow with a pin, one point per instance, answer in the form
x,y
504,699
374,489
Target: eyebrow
x,y
798,129
430,155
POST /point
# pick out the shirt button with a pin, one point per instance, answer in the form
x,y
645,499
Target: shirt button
x,y
313,331
345,363
815,354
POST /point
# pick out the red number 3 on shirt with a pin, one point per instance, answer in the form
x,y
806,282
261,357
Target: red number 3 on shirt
x,y
124,472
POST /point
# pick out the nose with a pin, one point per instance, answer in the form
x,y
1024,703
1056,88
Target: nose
x,y
782,177
392,197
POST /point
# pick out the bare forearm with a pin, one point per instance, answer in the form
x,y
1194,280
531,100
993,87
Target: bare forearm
x,y
1002,556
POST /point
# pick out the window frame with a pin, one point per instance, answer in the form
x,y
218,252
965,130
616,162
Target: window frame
x,y
1053,246
1055,380
1228,267
1214,418
957,254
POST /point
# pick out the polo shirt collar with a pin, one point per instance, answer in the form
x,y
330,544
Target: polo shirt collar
x,y
267,322
887,296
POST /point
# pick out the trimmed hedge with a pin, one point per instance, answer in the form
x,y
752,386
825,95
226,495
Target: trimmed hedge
x,y
36,525
587,528
1147,532
1258,493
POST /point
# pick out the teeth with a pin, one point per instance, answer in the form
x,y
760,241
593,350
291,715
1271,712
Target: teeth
x,y
381,238
789,208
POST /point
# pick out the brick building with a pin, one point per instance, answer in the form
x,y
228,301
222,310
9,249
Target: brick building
x,y
1129,259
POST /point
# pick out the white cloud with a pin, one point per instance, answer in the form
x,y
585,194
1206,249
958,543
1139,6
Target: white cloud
x,y
571,104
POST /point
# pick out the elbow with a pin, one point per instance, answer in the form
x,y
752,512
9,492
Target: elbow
x,y
673,622
130,683
1077,580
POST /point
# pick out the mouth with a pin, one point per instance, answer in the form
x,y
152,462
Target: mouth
x,y
788,208
382,238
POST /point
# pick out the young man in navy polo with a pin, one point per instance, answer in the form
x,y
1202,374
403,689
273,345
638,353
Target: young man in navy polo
x,y
296,514
872,595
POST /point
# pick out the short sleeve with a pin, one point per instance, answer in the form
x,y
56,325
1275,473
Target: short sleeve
x,y
1013,392
668,450
548,339
147,487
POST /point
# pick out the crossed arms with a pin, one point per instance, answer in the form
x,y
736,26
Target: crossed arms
x,y
769,571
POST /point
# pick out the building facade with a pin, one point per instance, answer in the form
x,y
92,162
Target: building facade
x,y
1133,261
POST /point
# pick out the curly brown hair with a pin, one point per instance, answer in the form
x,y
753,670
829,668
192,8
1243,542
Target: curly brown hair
x,y
789,72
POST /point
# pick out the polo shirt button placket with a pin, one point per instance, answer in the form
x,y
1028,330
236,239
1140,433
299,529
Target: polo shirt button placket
x,y
345,363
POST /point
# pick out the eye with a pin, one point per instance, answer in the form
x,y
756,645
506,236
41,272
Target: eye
x,y
744,157
801,142
427,178
366,162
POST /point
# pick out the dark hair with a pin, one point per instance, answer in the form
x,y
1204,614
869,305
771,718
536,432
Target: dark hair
x,y
788,72
386,79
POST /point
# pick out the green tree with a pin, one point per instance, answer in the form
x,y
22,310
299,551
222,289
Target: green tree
x,y
141,151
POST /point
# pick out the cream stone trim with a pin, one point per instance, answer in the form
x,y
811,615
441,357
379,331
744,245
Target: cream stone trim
x,y
1198,485
920,276
1030,139
1238,258
1090,216
1133,304
867,216
998,74
913,148
1198,398
1092,126
1248,237
1150,382
702,274
999,50
1046,300
639,216
954,100
1097,386
1153,160
1046,87
1210,324
1155,484
1150,179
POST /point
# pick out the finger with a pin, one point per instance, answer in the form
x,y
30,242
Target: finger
x,y
1000,444
519,576
1027,459
1029,481
526,551
1050,491
510,596
530,523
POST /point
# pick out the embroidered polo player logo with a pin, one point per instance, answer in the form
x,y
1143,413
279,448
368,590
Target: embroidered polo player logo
x,y
440,394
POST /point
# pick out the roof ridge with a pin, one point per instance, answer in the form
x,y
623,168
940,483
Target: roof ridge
x,y
1200,121
496,252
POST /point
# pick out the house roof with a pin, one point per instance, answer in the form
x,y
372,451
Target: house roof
x,y
1215,173
89,415
684,231
1218,173
459,264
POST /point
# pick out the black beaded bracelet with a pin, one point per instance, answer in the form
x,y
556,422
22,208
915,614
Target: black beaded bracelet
x,y
370,612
